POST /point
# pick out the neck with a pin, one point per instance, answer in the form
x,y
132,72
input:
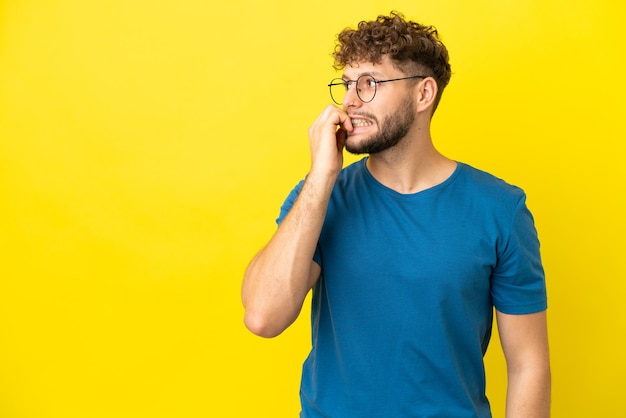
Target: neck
x,y
411,166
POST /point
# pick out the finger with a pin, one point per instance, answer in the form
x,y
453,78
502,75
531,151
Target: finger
x,y
341,136
344,121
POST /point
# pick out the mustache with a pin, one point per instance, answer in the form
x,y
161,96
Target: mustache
x,y
364,114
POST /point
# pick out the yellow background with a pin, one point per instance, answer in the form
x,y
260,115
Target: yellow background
x,y
146,146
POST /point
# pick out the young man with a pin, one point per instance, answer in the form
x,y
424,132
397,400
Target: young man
x,y
407,251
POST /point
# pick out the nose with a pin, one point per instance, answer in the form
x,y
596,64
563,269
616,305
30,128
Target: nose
x,y
351,99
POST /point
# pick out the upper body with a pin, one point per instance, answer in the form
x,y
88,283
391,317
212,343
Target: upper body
x,y
403,317
390,121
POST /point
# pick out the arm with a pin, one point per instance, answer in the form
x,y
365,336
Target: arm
x,y
524,341
279,277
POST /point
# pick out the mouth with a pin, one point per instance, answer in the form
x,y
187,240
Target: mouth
x,y
359,122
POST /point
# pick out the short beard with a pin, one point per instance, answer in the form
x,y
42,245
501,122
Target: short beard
x,y
392,130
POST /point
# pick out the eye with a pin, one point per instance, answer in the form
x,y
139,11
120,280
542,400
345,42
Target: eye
x,y
367,82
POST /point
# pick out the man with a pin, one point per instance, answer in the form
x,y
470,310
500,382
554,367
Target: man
x,y
407,251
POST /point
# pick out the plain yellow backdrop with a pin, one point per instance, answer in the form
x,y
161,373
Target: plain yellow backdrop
x,y
146,146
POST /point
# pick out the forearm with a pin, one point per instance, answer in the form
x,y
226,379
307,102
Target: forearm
x,y
528,393
280,276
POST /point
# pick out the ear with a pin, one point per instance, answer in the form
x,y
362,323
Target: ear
x,y
426,93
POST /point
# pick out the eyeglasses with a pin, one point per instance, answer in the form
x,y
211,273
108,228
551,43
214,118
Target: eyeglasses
x,y
365,87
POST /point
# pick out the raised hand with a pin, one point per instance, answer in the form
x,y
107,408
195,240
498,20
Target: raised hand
x,y
327,136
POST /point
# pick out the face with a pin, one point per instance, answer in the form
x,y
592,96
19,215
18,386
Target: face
x,y
388,131
384,122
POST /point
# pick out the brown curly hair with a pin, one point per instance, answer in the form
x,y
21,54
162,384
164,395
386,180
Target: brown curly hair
x,y
413,48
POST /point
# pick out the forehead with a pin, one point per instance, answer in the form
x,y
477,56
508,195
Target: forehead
x,y
383,69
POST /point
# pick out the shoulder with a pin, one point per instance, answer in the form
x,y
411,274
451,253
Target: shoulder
x,y
353,170
352,178
484,185
348,180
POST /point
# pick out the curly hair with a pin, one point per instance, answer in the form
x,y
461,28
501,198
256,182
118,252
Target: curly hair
x,y
411,46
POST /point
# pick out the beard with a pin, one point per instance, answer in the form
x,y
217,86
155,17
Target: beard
x,y
392,130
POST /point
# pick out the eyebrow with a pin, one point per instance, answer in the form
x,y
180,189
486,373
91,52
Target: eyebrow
x,y
374,74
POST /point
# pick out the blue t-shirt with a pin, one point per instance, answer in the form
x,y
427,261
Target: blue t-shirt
x,y
402,313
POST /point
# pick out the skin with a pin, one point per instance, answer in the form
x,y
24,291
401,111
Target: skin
x,y
280,276
392,129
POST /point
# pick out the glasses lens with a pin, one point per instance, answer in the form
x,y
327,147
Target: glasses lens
x,y
366,88
337,90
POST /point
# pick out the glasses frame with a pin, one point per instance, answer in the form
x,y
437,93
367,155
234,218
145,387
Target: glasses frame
x,y
346,84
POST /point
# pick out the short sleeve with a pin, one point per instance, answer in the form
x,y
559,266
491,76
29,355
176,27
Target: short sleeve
x,y
518,280
289,202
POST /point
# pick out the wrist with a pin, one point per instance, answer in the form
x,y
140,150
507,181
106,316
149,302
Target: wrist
x,y
321,180
323,175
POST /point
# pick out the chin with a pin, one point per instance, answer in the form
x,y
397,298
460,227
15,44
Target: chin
x,y
356,147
